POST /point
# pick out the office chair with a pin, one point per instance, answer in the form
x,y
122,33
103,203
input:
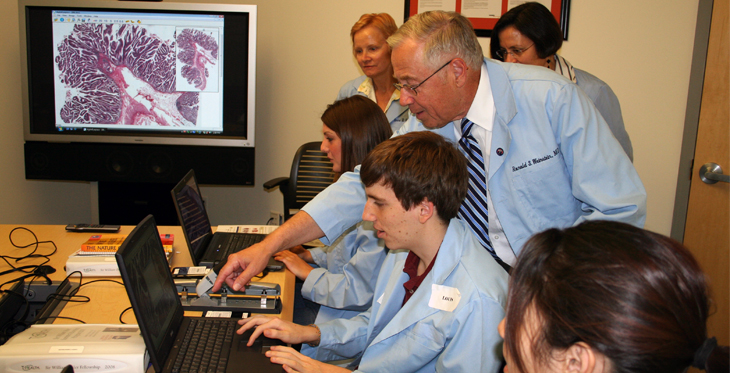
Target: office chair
x,y
311,172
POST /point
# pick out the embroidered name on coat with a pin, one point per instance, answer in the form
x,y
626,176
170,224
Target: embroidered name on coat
x,y
536,160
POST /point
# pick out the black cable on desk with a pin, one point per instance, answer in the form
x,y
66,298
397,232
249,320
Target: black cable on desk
x,y
85,299
28,271
71,297
101,280
122,314
42,270
60,317
32,275
32,253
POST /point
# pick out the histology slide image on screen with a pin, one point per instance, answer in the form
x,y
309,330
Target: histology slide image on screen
x,y
141,75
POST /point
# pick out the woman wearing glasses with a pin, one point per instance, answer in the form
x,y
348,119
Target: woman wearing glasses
x,y
369,35
529,34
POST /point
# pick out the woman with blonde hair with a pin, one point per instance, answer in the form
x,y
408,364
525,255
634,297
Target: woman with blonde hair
x,y
369,46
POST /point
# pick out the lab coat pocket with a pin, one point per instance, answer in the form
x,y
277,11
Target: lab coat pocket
x,y
408,350
545,193
425,341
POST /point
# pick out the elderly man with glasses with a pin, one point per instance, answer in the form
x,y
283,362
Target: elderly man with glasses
x,y
540,155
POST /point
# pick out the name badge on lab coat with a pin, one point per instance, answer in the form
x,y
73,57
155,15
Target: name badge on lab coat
x,y
444,298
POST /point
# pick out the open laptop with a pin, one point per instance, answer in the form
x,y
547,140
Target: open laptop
x,y
208,249
154,299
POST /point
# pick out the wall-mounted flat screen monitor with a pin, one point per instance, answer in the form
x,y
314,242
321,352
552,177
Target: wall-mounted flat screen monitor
x,y
160,73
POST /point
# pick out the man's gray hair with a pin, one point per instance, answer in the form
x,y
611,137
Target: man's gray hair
x,y
444,34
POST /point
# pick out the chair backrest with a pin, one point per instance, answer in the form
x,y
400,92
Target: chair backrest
x,y
311,172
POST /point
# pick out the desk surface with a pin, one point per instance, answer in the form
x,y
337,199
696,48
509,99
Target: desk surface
x,y
107,299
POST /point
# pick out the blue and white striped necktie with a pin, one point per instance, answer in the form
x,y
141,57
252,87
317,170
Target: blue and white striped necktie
x,y
474,208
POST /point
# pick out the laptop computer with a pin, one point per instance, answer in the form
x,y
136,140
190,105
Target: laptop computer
x,y
206,248
159,313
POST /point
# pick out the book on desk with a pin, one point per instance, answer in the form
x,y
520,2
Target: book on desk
x,y
95,258
110,243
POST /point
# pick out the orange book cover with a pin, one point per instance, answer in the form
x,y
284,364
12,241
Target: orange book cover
x,y
109,243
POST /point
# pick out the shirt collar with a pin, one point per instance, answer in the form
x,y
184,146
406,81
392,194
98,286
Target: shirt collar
x,y
481,111
367,89
411,269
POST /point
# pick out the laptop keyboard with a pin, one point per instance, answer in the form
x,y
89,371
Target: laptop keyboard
x,y
238,242
224,244
205,346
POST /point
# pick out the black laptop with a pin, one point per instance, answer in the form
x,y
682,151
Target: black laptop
x,y
154,299
206,248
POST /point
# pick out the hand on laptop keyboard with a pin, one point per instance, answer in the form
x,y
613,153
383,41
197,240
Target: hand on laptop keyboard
x,y
245,264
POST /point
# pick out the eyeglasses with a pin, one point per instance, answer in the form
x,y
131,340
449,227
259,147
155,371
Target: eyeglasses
x,y
412,89
502,53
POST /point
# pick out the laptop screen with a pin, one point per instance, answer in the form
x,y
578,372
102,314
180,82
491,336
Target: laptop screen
x,y
192,214
151,290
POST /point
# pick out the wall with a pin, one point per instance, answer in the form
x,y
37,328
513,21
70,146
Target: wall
x,y
642,49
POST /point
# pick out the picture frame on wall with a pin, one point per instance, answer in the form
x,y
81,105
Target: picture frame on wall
x,y
484,14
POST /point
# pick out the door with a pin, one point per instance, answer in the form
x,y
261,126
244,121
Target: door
x,y
707,229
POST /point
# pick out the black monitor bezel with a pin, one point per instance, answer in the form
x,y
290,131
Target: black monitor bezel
x,y
239,87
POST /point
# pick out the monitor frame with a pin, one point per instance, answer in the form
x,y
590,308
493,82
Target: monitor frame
x,y
156,138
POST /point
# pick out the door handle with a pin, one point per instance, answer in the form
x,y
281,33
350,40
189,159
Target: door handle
x,y
710,173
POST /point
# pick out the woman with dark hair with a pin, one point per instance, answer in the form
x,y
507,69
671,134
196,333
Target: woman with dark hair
x,y
369,46
351,127
607,297
529,34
